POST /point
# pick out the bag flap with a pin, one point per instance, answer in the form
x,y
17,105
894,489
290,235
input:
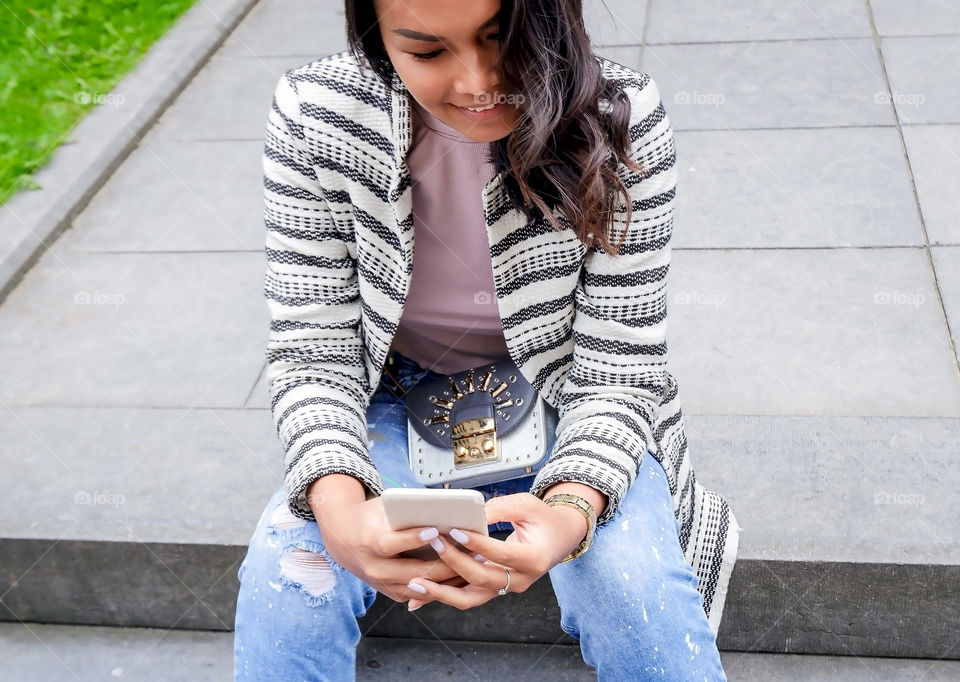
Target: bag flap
x,y
505,386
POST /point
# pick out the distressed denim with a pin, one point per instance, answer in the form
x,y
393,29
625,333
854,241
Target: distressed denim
x,y
631,600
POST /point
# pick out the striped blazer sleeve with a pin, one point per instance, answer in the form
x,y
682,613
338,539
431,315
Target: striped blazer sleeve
x,y
315,374
611,394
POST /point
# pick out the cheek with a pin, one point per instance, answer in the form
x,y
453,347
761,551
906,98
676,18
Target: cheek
x,y
428,88
426,82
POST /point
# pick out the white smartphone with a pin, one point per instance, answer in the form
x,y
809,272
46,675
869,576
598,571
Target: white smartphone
x,y
442,508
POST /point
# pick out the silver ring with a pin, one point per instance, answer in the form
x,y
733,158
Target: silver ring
x,y
503,590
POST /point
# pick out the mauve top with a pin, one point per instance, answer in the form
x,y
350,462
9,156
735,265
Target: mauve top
x,y
450,321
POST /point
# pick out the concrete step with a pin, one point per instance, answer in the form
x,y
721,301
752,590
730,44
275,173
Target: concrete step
x,y
31,652
849,543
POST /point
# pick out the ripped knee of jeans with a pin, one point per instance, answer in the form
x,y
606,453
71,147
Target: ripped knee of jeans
x,y
305,567
308,572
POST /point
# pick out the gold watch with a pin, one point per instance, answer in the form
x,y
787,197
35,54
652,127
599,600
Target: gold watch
x,y
585,508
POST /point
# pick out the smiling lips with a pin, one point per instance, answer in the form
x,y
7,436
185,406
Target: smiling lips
x,y
494,101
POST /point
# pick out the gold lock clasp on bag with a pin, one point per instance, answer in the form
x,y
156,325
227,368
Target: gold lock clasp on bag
x,y
475,441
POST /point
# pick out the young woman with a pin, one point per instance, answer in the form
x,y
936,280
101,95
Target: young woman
x,y
537,181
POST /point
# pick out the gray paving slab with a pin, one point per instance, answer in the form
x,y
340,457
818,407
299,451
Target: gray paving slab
x,y
703,21
837,608
178,196
227,100
799,501
129,583
751,189
122,474
922,17
946,263
381,658
849,532
923,78
783,84
259,397
435,661
35,652
615,22
31,220
422,659
134,330
628,55
934,152
266,30
810,331
751,666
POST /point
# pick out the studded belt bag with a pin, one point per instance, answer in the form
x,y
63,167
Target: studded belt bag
x,y
482,425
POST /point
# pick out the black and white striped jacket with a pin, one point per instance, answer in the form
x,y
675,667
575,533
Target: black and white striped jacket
x,y
586,329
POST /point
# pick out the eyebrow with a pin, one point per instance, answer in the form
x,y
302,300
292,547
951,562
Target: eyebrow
x,y
416,35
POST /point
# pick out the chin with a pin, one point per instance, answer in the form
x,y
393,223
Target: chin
x,y
487,131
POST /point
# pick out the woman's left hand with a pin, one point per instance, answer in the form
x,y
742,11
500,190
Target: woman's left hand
x,y
542,537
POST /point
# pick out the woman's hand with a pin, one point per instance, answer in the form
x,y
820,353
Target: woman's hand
x,y
542,537
360,540
357,536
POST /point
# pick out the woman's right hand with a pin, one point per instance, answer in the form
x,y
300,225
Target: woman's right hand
x,y
356,535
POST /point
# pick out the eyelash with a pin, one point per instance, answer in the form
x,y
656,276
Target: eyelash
x,y
428,56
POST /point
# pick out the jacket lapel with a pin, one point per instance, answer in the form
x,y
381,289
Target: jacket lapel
x,y
401,192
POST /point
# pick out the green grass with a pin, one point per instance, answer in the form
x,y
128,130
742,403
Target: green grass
x,y
58,60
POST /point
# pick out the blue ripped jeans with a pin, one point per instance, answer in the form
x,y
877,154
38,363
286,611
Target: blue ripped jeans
x,y
631,600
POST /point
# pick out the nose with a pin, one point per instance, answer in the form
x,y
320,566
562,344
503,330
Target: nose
x,y
478,73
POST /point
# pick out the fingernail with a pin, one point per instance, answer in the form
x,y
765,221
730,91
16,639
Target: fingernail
x,y
429,534
458,535
437,544
417,587
479,557
410,606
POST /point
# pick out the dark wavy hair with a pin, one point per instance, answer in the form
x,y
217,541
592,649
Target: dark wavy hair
x,y
573,128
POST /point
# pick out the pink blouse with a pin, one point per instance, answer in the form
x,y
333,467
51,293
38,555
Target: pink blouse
x,y
450,321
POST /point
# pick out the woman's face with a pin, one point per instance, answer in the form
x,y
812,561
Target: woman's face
x,y
446,52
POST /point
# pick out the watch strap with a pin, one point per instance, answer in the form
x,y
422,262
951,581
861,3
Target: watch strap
x,y
584,507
